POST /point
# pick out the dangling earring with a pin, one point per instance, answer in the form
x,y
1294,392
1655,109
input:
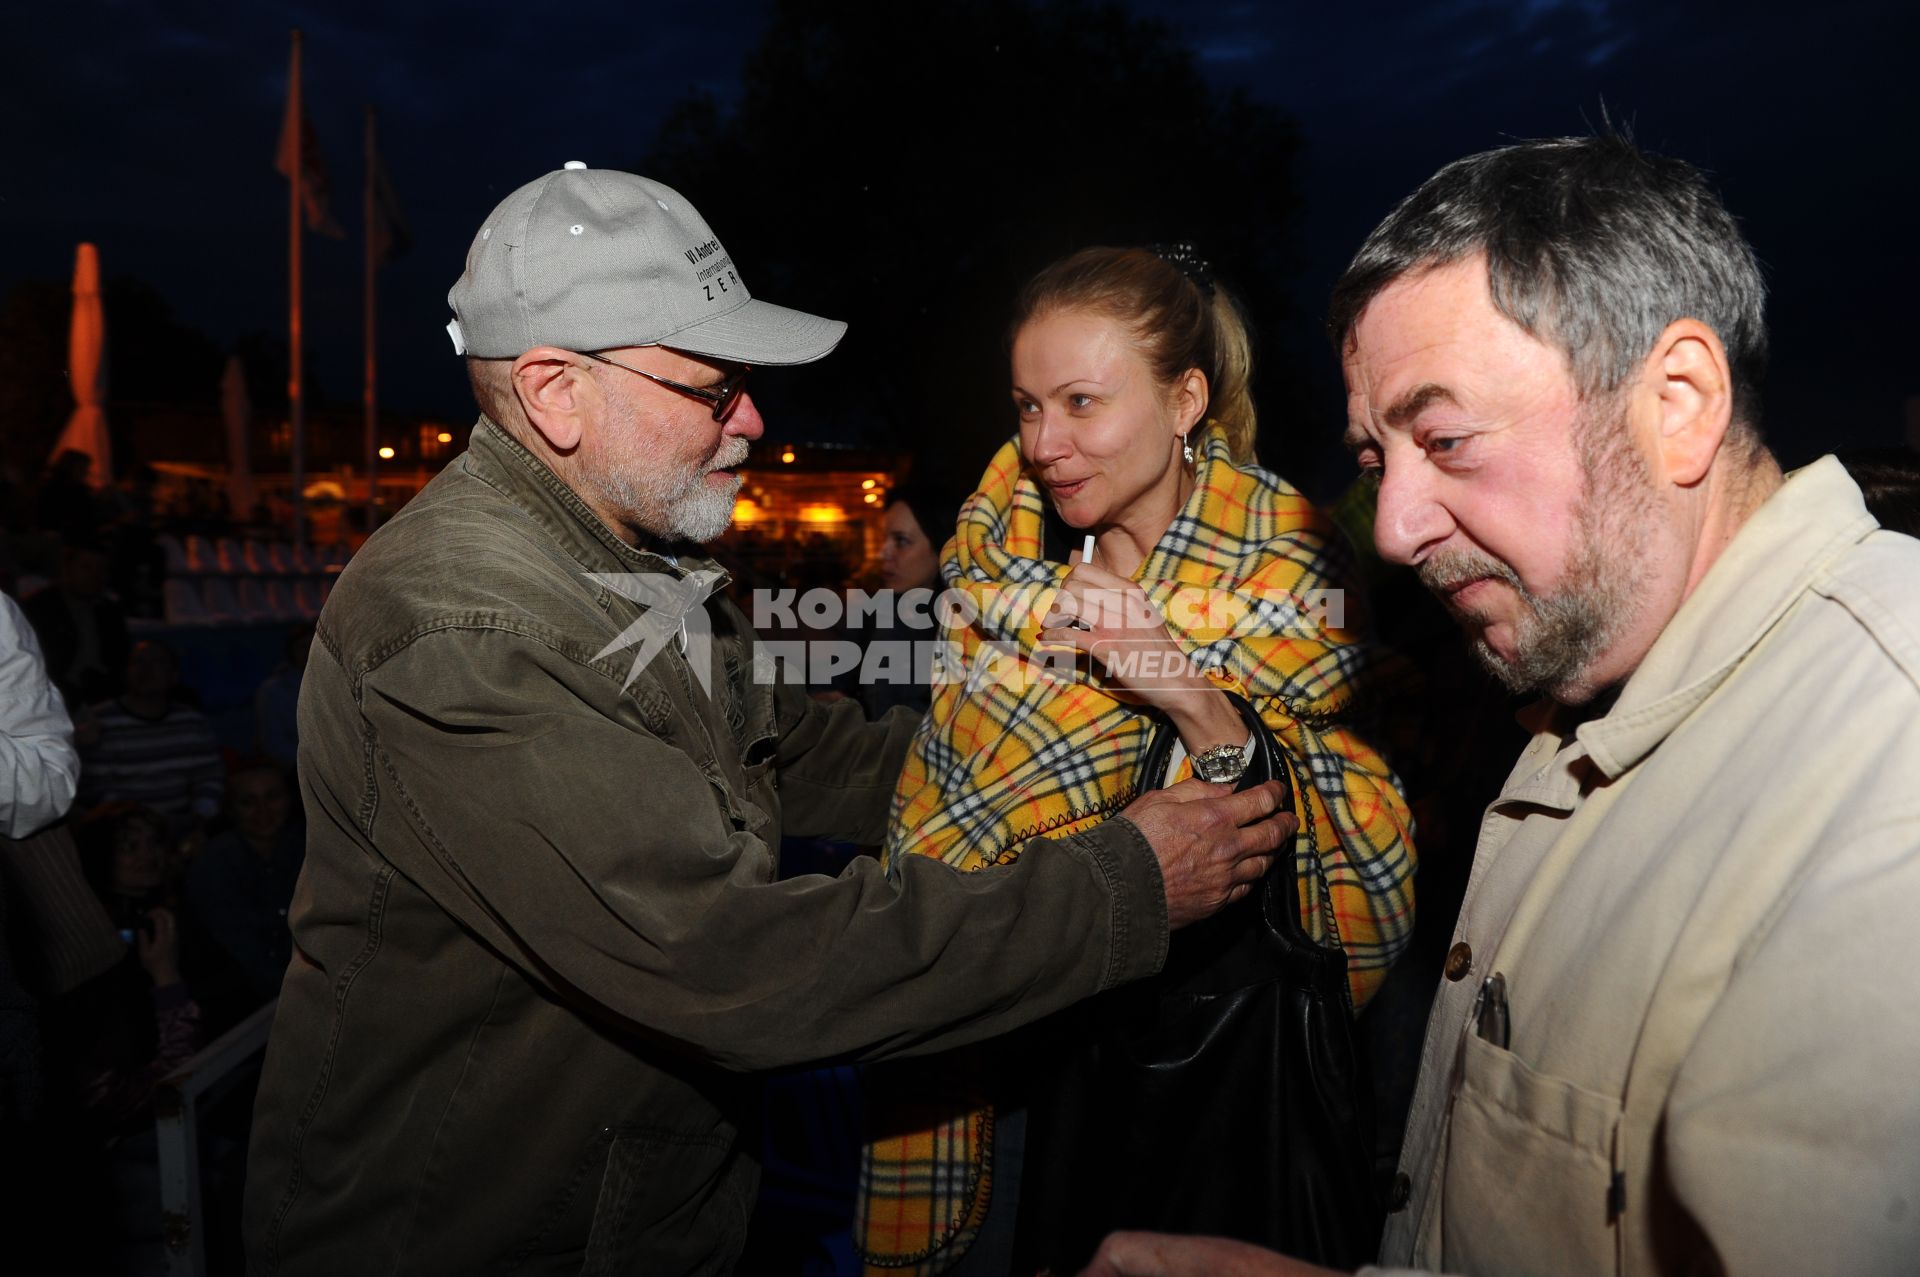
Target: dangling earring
x,y
1186,449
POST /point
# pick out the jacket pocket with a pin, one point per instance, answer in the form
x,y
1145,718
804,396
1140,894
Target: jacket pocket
x,y
670,1203
1529,1169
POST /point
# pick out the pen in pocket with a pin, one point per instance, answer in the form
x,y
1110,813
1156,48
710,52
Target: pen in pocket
x,y
1491,1019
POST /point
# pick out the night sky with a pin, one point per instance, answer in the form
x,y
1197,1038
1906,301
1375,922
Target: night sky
x,y
150,129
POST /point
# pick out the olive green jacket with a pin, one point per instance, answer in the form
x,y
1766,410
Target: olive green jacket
x,y
539,940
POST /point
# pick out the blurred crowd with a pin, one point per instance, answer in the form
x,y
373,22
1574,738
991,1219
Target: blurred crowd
x,y
104,544
146,866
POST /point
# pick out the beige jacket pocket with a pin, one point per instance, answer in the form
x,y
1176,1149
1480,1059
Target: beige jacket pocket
x,y
1529,1168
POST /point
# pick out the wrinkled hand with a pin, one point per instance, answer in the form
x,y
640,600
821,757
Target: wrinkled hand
x,y
1212,845
1111,619
160,952
1163,1255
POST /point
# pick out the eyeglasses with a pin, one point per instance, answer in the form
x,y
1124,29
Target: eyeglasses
x,y
723,396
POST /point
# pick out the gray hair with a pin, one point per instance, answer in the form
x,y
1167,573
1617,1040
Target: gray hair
x,y
1592,245
491,381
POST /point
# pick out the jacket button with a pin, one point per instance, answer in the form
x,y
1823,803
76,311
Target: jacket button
x,y
1399,1192
1459,961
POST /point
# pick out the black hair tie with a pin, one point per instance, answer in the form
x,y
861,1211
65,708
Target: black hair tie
x,y
1186,259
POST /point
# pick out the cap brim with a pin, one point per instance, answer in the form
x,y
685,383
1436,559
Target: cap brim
x,y
760,333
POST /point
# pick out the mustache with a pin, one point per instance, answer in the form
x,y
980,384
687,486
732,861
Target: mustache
x,y
1451,569
731,454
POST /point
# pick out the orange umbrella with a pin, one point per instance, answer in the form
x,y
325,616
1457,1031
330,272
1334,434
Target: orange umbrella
x,y
87,370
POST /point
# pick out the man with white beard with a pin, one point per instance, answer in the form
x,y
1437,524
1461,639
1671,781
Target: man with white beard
x,y
540,938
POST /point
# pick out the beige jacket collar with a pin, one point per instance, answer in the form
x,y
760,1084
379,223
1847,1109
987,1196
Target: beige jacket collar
x,y
1775,556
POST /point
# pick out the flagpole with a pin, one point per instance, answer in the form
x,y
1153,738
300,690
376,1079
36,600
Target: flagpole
x,y
371,387
296,382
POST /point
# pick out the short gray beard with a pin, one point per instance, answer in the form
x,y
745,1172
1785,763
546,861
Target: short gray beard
x,y
1558,637
675,506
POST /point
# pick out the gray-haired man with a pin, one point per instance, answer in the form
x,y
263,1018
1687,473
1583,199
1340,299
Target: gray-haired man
x,y
539,937
1676,1033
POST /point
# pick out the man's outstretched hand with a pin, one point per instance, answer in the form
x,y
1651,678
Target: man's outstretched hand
x,y
1212,845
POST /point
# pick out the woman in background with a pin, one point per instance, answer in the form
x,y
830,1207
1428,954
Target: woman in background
x,y
909,561
1130,372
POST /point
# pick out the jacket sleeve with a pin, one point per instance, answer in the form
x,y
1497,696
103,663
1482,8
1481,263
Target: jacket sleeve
x,y
524,793
1791,1136
837,770
39,769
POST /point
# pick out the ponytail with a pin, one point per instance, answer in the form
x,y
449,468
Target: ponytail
x,y
1230,402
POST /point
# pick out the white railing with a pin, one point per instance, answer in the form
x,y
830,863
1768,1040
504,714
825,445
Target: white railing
x,y
176,1098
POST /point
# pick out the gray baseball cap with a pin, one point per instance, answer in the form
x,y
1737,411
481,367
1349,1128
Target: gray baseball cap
x,y
591,259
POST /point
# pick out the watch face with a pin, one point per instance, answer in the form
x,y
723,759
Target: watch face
x,y
1220,765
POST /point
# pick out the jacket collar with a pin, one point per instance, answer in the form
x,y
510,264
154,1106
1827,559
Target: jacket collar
x,y
503,463
1770,563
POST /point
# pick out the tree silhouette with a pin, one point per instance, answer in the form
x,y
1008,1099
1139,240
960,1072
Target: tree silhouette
x,y
907,169
35,397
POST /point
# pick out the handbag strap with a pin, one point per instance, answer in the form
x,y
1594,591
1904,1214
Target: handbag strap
x,y
1269,761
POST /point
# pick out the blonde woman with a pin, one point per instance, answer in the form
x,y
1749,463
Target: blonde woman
x,y
1199,609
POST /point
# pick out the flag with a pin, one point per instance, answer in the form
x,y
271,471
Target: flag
x,y
387,228
299,146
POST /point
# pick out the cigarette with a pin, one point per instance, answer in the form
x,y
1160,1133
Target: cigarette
x,y
1086,549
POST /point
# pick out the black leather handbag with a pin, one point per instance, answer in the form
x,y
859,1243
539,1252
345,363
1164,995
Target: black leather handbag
x,y
1223,1096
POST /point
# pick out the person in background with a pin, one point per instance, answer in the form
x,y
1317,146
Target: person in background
x,y
82,627
146,747
123,1031
276,704
111,1039
241,883
124,848
919,512
1131,384
39,767
39,771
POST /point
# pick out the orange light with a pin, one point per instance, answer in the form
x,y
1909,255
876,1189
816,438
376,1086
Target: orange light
x,y
787,456
445,437
745,510
872,498
822,514
386,454
866,483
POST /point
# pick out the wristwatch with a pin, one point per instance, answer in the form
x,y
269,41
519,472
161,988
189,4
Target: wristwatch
x,y
1222,764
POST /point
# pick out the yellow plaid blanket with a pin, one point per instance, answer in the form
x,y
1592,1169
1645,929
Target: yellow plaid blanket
x,y
1249,578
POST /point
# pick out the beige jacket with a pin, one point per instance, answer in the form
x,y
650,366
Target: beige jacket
x,y
1705,906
